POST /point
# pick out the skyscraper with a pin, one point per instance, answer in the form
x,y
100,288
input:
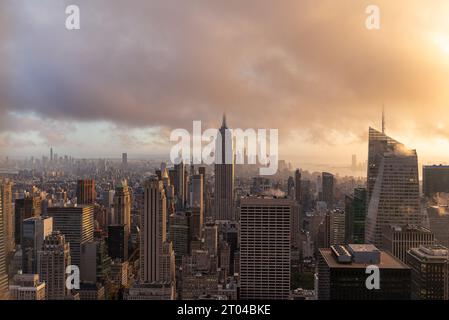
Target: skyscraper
x,y
435,179
430,272
179,235
438,222
95,262
118,242
153,231
393,186
85,191
77,225
298,186
27,287
34,231
53,258
8,215
331,230
197,205
291,188
306,196
355,210
265,248
224,175
211,238
29,206
398,240
3,274
122,205
328,189
179,183
342,274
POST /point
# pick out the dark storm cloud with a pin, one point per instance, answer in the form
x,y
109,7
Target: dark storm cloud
x,y
308,65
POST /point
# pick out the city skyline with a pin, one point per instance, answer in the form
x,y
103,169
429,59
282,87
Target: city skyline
x,y
224,150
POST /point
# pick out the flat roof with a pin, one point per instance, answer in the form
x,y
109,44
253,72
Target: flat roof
x,y
435,166
363,247
387,261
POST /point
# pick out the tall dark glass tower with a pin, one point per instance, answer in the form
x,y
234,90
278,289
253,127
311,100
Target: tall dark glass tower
x,y
393,186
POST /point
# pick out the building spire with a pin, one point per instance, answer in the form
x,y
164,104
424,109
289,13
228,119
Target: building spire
x,y
383,118
223,125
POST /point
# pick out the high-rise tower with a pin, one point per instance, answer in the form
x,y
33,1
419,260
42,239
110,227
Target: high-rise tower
x,y
265,248
77,225
298,186
54,257
224,175
8,215
85,191
3,274
122,205
393,186
153,231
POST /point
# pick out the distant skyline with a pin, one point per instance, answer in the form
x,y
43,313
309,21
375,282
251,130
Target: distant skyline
x,y
312,70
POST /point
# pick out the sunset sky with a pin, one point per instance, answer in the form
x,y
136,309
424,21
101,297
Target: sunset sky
x,y
139,68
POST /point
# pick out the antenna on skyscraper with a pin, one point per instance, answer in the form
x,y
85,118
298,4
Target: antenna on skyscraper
x,y
383,118
224,121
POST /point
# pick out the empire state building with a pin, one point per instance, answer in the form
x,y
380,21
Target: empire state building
x,y
224,175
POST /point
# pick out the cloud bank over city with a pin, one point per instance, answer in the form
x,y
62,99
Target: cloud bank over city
x,y
137,69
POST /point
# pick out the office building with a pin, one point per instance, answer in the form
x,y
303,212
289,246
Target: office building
x,y
27,207
211,237
85,192
298,186
429,266
118,242
179,235
76,223
119,273
34,231
224,175
393,186
331,230
342,274
8,215
95,262
328,189
153,227
151,291
122,205
265,248
435,179
197,284
91,291
306,196
27,287
197,206
355,210
399,239
179,183
3,253
53,259
438,221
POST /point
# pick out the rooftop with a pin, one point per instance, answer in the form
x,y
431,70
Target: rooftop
x,y
387,261
362,248
408,228
430,253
